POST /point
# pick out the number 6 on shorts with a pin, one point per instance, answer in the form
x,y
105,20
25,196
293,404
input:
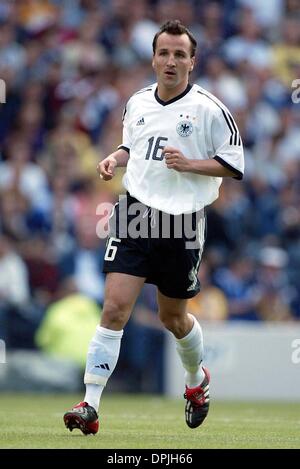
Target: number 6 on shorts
x,y
111,250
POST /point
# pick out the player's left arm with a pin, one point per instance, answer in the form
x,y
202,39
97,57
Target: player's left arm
x,y
176,160
226,146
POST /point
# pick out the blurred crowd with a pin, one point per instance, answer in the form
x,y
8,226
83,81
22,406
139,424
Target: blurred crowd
x,y
69,68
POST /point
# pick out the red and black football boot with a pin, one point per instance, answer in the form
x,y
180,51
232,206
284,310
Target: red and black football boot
x,y
197,405
84,417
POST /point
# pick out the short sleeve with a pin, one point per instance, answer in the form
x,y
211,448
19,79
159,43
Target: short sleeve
x,y
227,142
126,140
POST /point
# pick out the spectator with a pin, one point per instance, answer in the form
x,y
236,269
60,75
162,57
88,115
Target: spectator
x,y
287,51
14,287
237,281
20,173
84,263
67,324
276,294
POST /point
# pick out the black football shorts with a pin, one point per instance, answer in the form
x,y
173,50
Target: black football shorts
x,y
165,249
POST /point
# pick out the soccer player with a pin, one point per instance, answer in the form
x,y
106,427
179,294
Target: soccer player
x,y
179,141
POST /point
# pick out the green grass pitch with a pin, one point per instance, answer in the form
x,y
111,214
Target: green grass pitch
x,y
139,421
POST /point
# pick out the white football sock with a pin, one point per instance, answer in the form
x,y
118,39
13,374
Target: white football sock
x,y
190,350
93,395
103,354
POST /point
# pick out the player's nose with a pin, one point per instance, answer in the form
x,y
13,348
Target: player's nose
x,y
171,61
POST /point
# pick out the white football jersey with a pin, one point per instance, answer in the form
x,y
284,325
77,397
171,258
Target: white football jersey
x,y
197,124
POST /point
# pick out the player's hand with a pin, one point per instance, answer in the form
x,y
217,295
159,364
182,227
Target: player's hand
x,y
176,160
106,168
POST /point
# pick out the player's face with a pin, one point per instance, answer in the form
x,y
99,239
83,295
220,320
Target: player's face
x,y
172,62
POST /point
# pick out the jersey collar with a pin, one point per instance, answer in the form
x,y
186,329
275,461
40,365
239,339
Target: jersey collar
x,y
165,103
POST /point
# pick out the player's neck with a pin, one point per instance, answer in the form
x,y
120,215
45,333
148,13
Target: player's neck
x,y
165,94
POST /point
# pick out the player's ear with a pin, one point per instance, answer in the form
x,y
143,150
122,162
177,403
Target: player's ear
x,y
192,63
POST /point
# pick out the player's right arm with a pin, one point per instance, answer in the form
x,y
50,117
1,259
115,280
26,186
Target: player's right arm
x,y
106,167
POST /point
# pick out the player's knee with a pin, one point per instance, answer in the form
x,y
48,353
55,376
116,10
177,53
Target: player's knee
x,y
115,315
172,322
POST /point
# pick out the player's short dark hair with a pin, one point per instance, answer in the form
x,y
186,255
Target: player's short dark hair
x,y
175,27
